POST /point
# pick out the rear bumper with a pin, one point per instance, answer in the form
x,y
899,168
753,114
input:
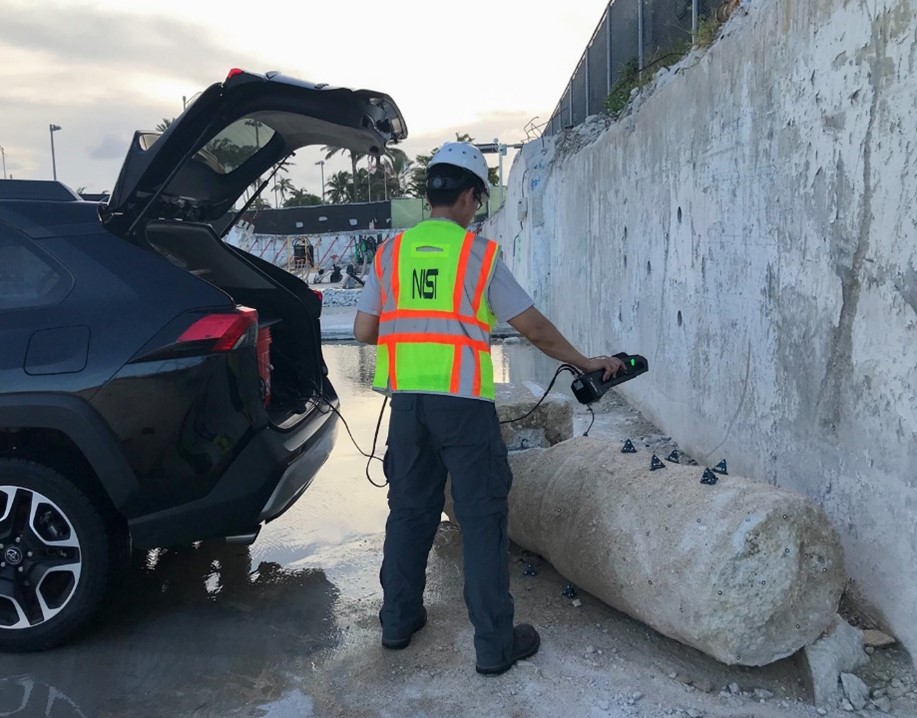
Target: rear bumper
x,y
264,480
300,473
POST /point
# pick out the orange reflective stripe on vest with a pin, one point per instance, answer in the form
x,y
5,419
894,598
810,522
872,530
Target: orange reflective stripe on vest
x,y
435,325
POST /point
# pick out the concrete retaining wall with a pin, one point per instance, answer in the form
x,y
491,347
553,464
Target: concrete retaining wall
x,y
750,228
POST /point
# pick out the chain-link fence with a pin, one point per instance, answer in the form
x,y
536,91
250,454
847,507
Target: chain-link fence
x,y
632,35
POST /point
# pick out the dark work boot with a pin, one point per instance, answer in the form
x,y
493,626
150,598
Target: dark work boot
x,y
525,645
397,642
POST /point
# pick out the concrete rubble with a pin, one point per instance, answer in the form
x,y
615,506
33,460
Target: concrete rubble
x,y
855,690
877,639
549,425
837,651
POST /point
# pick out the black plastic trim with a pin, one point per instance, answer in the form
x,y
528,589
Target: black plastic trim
x,y
236,503
90,433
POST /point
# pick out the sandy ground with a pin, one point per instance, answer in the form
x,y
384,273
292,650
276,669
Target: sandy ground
x,y
594,661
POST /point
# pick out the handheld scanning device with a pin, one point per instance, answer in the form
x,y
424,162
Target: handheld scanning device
x,y
589,388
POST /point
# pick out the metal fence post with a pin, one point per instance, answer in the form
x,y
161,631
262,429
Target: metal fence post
x,y
586,72
608,49
695,11
570,87
640,57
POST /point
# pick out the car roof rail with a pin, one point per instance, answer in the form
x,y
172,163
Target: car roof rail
x,y
47,190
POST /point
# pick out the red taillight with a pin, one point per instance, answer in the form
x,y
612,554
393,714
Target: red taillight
x,y
227,331
317,293
264,362
233,72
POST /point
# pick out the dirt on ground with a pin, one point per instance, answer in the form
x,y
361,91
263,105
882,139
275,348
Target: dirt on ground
x,y
594,660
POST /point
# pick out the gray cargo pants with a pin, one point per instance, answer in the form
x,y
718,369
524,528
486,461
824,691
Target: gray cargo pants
x,y
428,436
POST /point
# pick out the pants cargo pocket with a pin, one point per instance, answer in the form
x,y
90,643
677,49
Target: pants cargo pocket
x,y
500,480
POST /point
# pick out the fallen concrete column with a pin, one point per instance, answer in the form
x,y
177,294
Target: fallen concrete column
x,y
741,570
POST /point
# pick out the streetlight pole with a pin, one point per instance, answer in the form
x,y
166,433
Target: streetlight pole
x,y
53,129
321,164
3,155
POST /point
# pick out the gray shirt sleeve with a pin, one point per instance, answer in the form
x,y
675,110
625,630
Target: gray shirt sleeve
x,y
506,298
504,295
370,301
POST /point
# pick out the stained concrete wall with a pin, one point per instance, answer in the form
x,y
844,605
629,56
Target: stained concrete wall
x,y
750,227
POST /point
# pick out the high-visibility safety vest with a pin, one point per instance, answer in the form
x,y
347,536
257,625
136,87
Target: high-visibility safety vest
x,y
434,330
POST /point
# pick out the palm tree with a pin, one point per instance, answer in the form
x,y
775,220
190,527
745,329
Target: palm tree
x,y
256,125
282,187
339,187
164,125
301,198
418,173
393,165
354,158
397,168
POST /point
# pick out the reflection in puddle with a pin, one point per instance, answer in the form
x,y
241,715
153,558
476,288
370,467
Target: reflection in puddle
x,y
24,697
199,630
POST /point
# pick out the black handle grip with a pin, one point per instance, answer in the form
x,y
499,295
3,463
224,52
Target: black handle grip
x,y
589,387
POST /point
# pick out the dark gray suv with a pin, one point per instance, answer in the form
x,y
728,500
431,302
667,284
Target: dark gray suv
x,y
158,386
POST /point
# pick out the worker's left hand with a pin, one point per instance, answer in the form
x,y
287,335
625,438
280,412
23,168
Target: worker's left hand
x,y
609,365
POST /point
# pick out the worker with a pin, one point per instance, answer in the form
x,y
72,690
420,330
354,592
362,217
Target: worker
x,y
430,305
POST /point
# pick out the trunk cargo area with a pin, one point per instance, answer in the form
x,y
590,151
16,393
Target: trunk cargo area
x,y
289,346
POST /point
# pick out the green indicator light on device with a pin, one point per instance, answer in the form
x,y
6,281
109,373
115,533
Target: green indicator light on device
x,y
633,362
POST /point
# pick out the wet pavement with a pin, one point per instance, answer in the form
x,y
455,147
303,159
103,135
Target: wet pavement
x,y
219,630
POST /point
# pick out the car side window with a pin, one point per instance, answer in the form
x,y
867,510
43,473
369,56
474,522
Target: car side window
x,y
28,277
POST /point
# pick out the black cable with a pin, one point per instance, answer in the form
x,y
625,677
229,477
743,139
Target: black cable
x,y
586,433
370,456
372,453
562,368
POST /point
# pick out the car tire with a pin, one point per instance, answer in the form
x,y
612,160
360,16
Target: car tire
x,y
55,560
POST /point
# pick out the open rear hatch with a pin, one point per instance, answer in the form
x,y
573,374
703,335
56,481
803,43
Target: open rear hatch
x,y
231,135
172,185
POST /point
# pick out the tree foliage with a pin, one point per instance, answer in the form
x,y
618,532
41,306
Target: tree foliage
x,y
301,198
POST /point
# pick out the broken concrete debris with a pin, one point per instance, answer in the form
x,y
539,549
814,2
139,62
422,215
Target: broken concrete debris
x,y
747,574
856,691
883,703
551,423
877,639
838,650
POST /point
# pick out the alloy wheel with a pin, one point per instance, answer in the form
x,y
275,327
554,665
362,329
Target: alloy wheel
x,y
40,558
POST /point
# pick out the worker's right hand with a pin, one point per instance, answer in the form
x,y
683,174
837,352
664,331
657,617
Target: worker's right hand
x,y
609,365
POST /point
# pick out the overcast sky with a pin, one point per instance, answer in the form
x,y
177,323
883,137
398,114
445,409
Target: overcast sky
x,y
103,68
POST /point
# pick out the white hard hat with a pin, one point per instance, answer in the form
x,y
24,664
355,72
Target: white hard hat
x,y
464,155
